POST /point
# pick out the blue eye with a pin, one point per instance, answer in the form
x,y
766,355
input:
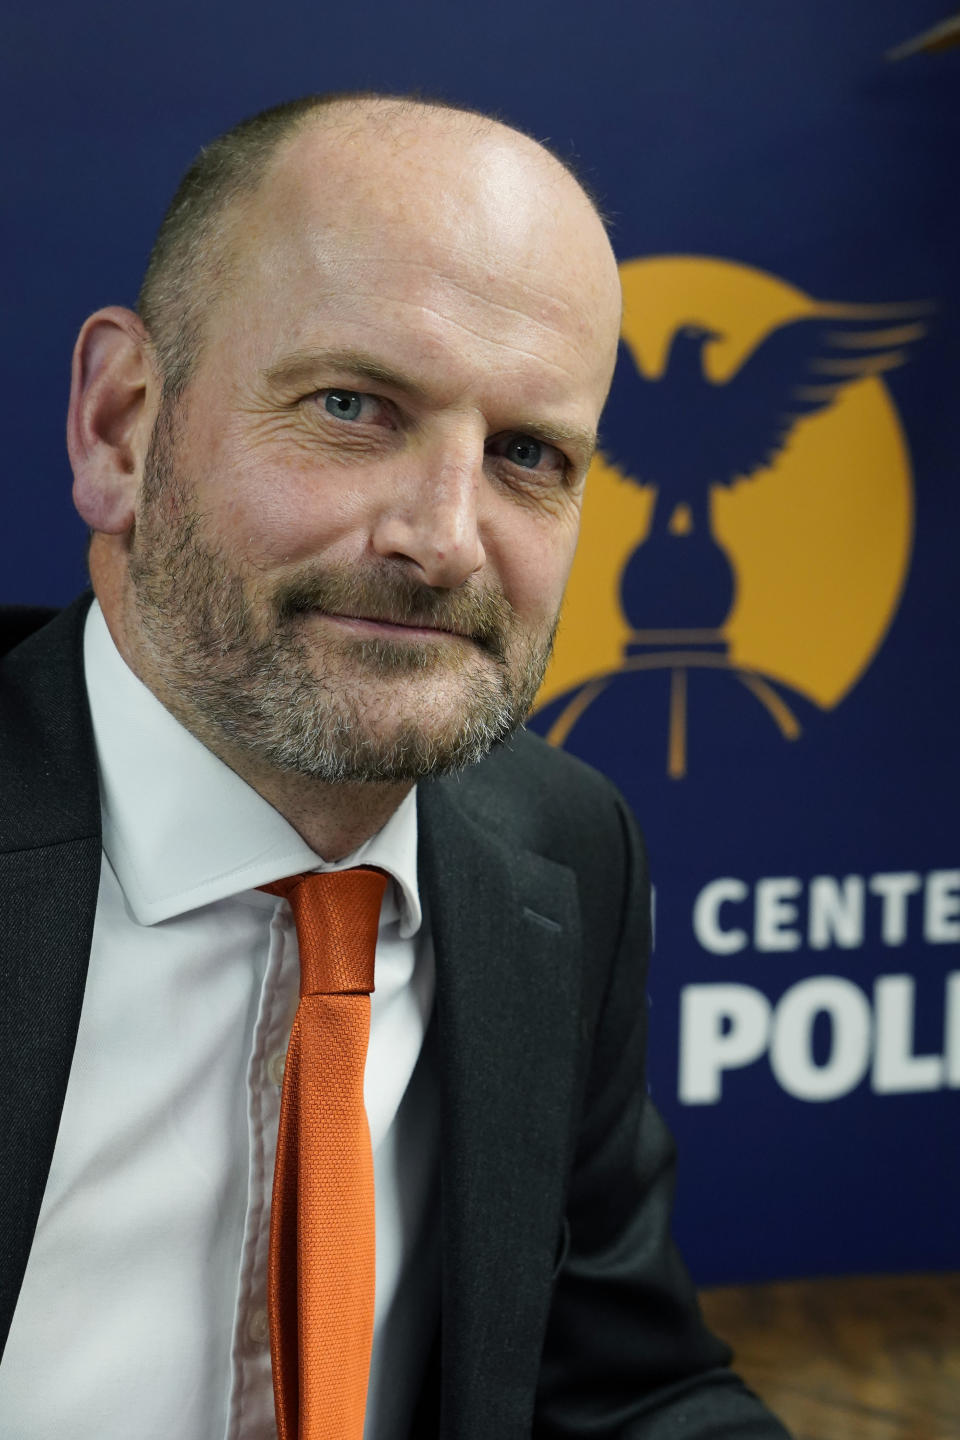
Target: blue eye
x,y
343,404
523,451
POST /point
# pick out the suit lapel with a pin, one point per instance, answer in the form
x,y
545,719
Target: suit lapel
x,y
505,924
49,875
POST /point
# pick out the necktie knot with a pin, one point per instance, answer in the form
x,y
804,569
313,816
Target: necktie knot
x,y
337,915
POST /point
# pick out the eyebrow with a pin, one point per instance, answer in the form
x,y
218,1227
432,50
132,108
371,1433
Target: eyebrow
x,y
301,366
303,363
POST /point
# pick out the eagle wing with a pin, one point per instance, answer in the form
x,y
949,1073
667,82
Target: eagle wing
x,y
684,439
798,370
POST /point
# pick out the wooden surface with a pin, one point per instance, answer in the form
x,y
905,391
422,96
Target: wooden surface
x,y
864,1358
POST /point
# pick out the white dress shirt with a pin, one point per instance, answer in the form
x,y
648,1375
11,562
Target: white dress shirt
x,y
142,1311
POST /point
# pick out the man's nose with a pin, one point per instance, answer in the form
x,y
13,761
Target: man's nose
x,y
431,519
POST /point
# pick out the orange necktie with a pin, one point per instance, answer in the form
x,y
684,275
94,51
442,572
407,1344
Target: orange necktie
x,y
320,1277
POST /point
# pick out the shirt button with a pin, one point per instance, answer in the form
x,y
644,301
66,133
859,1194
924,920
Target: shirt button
x,y
258,1327
275,1066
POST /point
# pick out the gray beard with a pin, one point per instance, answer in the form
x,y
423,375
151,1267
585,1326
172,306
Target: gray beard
x,y
266,695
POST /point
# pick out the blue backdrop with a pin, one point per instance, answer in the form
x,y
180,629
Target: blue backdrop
x,y
761,638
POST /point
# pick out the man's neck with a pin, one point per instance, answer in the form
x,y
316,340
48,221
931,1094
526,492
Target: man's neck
x,y
333,819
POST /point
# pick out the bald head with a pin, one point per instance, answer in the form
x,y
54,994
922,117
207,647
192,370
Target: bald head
x,y
360,162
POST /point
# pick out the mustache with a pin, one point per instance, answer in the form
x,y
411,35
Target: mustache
x,y
484,616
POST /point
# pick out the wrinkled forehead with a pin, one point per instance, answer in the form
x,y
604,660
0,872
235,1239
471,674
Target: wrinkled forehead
x,y
419,213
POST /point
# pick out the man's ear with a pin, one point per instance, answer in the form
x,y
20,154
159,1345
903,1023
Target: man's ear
x,y
113,395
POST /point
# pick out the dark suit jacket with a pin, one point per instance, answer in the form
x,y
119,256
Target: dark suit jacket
x,y
565,1310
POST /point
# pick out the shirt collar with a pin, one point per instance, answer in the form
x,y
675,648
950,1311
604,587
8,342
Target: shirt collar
x,y
181,829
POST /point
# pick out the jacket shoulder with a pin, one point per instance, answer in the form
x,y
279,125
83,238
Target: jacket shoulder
x,y
17,622
539,798
48,775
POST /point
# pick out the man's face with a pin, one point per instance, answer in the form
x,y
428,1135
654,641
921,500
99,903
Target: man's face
x,y
356,525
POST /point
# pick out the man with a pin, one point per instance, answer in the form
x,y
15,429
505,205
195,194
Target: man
x,y
333,471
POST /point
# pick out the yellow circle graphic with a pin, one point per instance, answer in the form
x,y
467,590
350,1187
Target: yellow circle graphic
x,y
819,542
